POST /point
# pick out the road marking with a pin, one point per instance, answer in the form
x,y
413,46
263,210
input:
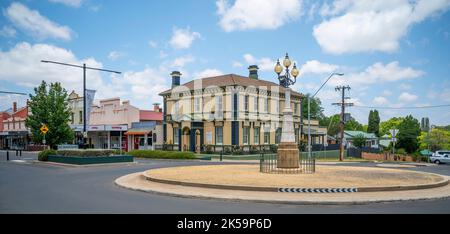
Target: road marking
x,y
318,190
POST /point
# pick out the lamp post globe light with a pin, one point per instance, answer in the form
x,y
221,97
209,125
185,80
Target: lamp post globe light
x,y
288,153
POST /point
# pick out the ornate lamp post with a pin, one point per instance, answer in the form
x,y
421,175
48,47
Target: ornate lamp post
x,y
288,154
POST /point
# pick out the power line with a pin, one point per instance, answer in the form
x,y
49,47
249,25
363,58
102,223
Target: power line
x,y
402,108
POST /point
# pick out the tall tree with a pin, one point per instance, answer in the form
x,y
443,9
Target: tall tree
x,y
409,131
353,125
436,139
316,108
392,123
49,106
374,123
331,123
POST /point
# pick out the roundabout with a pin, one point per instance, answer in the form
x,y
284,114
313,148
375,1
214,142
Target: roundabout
x,y
329,185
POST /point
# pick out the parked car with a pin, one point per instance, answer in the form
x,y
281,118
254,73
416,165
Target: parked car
x,y
441,156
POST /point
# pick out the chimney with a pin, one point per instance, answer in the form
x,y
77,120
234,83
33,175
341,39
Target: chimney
x,y
14,107
253,72
156,107
175,78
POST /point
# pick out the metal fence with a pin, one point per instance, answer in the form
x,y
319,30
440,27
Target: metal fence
x,y
268,164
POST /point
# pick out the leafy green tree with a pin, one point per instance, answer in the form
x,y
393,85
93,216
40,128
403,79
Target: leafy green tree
x,y
409,131
353,125
392,123
331,123
436,139
359,140
374,123
49,106
316,109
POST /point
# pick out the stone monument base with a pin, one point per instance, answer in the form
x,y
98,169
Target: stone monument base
x,y
288,155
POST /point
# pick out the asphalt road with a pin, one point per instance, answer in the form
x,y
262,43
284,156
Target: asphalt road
x,y
38,188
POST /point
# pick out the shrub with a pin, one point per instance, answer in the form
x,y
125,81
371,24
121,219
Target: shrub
x,y
401,151
91,152
227,150
209,149
162,154
273,148
43,155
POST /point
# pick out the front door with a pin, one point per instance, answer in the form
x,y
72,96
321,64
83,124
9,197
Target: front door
x,y
185,145
197,141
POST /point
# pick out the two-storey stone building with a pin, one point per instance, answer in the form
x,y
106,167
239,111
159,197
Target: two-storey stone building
x,y
227,110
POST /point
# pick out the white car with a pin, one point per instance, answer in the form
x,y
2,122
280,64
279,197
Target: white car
x,y
441,156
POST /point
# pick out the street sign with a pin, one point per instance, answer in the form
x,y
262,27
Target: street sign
x,y
393,132
44,129
394,139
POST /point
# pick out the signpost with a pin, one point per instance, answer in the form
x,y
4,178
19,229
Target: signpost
x,y
393,138
44,130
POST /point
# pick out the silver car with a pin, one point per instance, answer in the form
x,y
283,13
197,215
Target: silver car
x,y
441,156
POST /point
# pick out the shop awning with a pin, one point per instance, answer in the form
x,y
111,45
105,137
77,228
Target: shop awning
x,y
139,131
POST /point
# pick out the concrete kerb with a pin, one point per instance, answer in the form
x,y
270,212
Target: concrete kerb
x,y
276,189
224,195
85,165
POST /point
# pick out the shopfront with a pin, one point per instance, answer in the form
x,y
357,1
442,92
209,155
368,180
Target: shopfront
x,y
107,136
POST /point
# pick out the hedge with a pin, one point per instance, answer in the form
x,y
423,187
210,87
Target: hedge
x,y
43,155
91,152
162,154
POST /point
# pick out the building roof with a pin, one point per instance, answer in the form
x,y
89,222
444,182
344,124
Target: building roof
x,y
352,134
231,80
150,115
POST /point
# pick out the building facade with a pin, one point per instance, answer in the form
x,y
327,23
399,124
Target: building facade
x,y
75,103
14,134
148,132
228,110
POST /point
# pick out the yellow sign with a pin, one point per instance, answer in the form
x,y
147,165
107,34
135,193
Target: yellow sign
x,y
44,129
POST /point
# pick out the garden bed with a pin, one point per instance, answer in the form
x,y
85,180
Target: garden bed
x,y
85,160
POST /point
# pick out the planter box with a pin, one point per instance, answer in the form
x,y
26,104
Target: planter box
x,y
90,159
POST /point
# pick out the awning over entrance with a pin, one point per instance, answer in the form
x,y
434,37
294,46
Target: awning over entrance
x,y
139,131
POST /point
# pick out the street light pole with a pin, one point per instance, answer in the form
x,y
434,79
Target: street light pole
x,y
84,107
309,112
84,67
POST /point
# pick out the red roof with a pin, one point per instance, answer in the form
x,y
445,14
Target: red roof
x,y
150,115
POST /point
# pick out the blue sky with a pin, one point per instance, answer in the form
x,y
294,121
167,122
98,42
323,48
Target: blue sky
x,y
394,53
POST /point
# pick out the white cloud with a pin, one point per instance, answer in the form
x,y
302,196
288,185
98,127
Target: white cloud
x,y
208,73
264,64
377,73
182,61
257,14
21,65
183,38
153,44
237,64
407,97
380,101
114,55
387,93
8,31
71,3
362,26
33,23
316,67
405,86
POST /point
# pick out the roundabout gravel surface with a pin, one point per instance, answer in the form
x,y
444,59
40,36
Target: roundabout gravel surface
x,y
325,177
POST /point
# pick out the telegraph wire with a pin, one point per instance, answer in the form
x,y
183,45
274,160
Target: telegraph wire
x,y
402,108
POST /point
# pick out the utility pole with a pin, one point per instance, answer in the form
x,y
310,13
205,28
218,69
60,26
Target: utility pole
x,y
343,104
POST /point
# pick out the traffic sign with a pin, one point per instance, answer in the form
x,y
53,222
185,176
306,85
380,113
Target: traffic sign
x,y
44,129
393,132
